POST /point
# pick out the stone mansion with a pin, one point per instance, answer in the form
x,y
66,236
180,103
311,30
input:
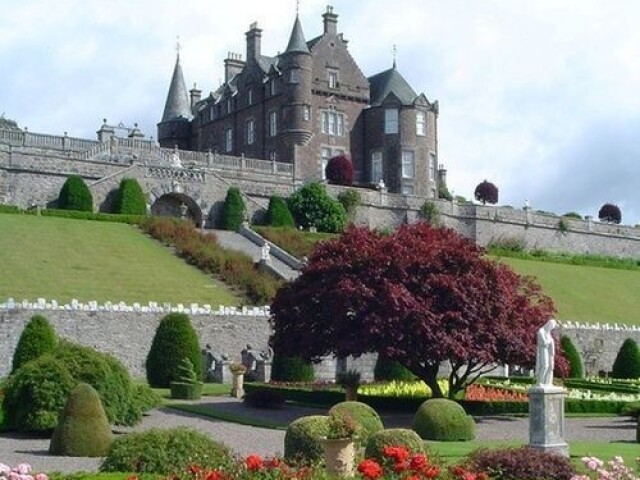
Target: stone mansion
x,y
306,105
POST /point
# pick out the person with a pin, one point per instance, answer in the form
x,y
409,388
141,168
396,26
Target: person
x,y
545,353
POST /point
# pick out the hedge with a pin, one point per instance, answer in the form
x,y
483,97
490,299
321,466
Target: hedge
x,y
76,215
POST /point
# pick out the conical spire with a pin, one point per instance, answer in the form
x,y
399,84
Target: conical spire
x,y
297,43
177,105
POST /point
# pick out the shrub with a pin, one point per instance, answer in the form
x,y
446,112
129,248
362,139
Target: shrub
x,y
393,437
627,362
83,429
278,214
130,199
233,210
521,464
486,192
311,206
186,385
443,420
339,170
75,195
174,340
165,451
430,212
572,355
575,215
302,440
610,213
269,399
291,369
350,201
388,370
443,192
366,417
37,338
145,398
35,393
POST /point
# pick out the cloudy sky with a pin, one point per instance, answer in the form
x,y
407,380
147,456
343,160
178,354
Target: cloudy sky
x,y
539,97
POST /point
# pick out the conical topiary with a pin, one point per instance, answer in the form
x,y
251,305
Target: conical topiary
x,y
232,210
278,214
37,338
130,199
627,363
75,195
572,356
83,429
186,385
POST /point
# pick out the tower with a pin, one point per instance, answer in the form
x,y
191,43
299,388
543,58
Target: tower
x,y
175,126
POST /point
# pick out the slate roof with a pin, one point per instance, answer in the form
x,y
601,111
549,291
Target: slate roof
x,y
297,43
177,104
390,81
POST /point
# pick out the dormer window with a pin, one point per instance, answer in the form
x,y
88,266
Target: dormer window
x,y
332,79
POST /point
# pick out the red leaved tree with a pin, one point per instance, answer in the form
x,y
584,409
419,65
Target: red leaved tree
x,y
486,192
420,296
339,170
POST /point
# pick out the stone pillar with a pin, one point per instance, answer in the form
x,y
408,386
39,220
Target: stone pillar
x,y
546,419
237,386
263,371
221,373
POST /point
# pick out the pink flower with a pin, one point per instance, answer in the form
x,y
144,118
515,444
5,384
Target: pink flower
x,y
42,476
23,469
4,468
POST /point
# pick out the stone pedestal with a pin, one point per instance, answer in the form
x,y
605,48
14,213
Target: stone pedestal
x,y
237,386
263,371
546,419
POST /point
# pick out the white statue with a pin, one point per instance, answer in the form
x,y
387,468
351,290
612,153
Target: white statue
x,y
265,252
175,158
545,353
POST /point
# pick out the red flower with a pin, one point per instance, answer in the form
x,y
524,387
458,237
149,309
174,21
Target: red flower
x,y
254,462
274,462
398,454
214,475
431,471
194,469
482,476
458,470
370,469
418,462
400,467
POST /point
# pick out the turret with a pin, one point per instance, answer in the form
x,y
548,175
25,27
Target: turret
x,y
175,126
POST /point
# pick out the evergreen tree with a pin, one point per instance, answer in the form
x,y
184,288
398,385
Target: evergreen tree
x,y
130,198
37,338
233,210
627,363
75,195
278,214
572,356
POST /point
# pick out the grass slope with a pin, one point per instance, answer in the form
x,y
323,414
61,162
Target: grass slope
x,y
586,294
62,259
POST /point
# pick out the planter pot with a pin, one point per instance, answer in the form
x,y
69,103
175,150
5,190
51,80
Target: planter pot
x,y
237,386
339,456
186,391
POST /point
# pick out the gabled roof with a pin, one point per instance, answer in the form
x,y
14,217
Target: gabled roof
x,y
390,82
297,43
312,43
177,104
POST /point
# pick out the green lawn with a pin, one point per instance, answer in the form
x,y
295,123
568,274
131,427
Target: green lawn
x,y
62,259
584,293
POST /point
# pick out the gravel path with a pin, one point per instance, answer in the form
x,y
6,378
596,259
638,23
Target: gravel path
x,y
243,439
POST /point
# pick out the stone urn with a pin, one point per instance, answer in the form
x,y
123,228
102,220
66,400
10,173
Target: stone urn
x,y
237,385
339,456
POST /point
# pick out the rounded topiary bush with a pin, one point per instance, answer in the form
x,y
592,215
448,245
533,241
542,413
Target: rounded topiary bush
x,y
291,369
278,214
521,463
366,417
627,362
393,437
572,356
35,393
130,198
37,338
75,195
303,439
443,420
83,429
232,210
311,206
165,451
175,339
339,170
387,370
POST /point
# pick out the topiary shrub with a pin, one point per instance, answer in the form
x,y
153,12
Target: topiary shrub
x,y
521,464
388,370
486,192
145,398
303,439
174,340
165,452
366,417
75,195
393,437
83,429
627,362
278,214
291,369
572,355
444,420
130,199
37,338
186,386
35,393
339,170
610,213
311,206
233,210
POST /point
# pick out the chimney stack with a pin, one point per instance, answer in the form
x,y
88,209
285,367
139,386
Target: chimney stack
x,y
253,42
195,95
330,21
232,66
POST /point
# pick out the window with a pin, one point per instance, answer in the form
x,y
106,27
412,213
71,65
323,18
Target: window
x,y
250,97
432,166
307,112
407,189
272,87
408,164
376,167
273,123
212,113
332,123
228,140
228,105
391,120
294,75
250,133
326,155
333,79
421,123
272,155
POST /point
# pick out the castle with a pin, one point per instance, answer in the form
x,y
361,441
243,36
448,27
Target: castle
x,y
306,105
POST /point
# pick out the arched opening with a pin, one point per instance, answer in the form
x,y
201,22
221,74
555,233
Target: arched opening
x,y
177,205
